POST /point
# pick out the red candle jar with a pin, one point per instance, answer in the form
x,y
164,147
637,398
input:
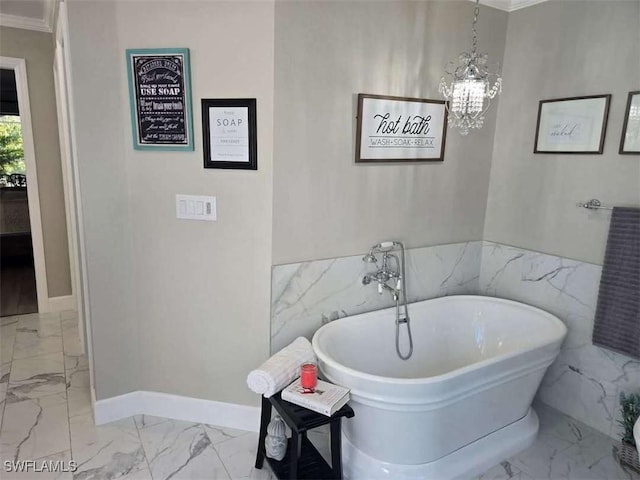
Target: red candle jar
x,y
308,376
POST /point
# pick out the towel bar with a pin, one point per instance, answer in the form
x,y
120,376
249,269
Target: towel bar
x,y
593,204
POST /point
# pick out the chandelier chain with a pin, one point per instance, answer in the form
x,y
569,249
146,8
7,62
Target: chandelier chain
x,y
476,12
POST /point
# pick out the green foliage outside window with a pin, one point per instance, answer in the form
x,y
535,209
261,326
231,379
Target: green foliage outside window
x,y
11,149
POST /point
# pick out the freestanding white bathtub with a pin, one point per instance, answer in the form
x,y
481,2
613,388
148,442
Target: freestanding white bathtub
x,y
459,405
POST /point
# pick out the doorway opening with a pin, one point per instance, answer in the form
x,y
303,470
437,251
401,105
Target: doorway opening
x,y
17,268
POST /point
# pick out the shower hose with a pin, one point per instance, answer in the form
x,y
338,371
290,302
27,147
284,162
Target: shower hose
x,y
406,319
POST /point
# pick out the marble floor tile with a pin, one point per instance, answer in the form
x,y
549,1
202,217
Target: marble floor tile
x,y
239,454
107,451
7,339
600,455
35,337
78,385
34,428
71,337
541,461
503,471
70,328
52,467
143,421
69,315
45,323
180,450
8,320
36,376
560,431
221,434
5,370
3,394
72,346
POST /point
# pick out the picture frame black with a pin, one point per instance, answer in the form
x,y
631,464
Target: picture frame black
x,y
573,125
229,133
630,138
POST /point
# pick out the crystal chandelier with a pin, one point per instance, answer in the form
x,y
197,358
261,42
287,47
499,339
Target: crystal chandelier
x,y
470,92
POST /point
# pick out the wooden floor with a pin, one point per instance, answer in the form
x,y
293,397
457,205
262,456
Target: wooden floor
x,y
17,290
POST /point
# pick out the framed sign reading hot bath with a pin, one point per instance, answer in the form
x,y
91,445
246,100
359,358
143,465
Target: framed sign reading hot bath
x,y
160,92
400,129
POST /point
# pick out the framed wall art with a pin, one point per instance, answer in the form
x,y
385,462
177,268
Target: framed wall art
x,y
630,141
572,125
160,96
400,129
229,133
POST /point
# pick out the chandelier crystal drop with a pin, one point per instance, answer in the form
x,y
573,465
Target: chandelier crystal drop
x,y
472,86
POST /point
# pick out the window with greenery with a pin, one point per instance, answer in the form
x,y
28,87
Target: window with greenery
x,y
11,149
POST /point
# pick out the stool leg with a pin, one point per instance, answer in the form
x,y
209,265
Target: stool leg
x,y
336,450
294,452
265,418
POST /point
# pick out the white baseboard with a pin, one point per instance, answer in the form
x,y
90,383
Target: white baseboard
x,y
60,304
176,407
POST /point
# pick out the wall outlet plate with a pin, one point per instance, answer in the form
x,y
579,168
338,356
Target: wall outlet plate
x,y
196,207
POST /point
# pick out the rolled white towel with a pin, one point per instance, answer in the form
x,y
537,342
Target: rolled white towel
x,y
282,368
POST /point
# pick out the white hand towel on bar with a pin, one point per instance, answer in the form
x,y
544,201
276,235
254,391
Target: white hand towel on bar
x,y
282,368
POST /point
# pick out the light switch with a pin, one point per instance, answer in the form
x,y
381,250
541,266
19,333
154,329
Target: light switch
x,y
196,207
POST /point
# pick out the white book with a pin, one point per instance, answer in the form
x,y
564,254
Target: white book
x,y
326,399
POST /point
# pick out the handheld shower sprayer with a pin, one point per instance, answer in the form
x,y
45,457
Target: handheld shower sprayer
x,y
394,272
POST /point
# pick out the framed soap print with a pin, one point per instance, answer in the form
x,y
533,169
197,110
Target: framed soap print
x,y
160,98
400,129
630,141
229,133
572,125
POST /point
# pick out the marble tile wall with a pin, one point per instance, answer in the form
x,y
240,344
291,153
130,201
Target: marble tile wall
x,y
306,294
584,382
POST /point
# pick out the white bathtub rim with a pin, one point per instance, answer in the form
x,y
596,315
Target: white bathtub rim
x,y
404,403
444,376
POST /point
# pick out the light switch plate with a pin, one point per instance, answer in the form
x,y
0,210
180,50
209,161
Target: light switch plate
x,y
196,207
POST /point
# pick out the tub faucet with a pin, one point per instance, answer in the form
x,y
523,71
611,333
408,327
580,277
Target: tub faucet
x,y
389,271
392,271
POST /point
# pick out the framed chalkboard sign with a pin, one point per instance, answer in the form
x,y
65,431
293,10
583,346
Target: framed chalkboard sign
x,y
160,94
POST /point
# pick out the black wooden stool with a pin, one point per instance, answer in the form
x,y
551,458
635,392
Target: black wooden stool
x,y
302,461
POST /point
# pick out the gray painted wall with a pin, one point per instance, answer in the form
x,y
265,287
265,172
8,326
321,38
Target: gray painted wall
x,y
326,53
177,306
183,307
562,49
97,65
37,49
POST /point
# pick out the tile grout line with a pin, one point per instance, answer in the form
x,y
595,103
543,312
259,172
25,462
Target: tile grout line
x,y
144,450
215,450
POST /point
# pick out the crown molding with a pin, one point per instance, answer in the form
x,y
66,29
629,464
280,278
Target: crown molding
x,y
509,5
50,13
29,23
